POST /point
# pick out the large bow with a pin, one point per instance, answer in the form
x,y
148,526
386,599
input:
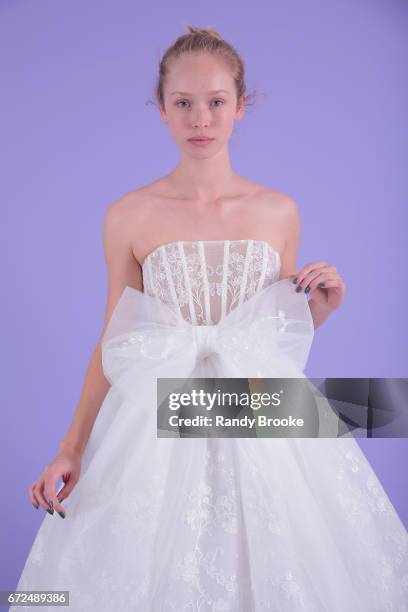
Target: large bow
x,y
268,335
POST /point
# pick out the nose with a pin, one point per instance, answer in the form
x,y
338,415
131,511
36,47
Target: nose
x,y
205,338
201,118
200,123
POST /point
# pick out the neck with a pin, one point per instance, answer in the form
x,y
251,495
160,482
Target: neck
x,y
204,179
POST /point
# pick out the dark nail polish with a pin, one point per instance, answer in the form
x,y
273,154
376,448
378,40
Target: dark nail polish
x,y
60,499
49,511
299,288
35,505
294,281
307,289
320,285
62,515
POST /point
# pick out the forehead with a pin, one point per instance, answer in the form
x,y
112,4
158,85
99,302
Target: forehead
x,y
199,73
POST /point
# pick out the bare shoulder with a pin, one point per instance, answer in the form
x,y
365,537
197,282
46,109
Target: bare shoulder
x,y
283,216
281,208
278,208
130,211
279,202
132,216
128,205
123,220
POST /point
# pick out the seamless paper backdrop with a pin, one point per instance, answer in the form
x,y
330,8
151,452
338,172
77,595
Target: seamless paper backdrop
x,y
78,131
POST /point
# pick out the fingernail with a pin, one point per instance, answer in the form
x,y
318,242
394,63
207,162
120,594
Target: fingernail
x,y
299,288
307,289
49,511
35,505
62,515
294,281
320,285
60,499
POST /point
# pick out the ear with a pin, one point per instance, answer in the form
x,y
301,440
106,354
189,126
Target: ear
x,y
240,109
163,114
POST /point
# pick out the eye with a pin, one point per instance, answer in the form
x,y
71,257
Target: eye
x,y
180,101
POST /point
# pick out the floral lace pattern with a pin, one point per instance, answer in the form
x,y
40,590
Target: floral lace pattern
x,y
208,278
364,503
217,524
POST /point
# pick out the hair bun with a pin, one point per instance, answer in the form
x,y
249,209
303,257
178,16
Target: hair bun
x,y
204,31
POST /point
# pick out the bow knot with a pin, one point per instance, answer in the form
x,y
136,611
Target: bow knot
x,y
205,338
267,335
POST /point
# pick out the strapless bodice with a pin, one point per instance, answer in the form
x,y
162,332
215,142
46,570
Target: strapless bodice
x,y
206,279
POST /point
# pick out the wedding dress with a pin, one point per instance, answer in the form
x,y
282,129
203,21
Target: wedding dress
x,y
170,524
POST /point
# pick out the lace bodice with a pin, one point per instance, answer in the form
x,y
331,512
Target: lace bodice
x,y
206,279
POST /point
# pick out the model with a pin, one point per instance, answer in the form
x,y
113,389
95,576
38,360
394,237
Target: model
x,y
203,282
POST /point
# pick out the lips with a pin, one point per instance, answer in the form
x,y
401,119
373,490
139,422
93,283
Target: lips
x,y
200,139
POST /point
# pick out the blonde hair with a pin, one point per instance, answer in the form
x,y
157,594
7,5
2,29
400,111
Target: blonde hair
x,y
203,40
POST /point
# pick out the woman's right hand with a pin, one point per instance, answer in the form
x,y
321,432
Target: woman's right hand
x,y
67,466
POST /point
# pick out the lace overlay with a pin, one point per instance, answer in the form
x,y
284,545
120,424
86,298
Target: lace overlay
x,y
208,278
217,524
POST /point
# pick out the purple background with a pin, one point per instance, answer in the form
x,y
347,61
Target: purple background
x,y
328,128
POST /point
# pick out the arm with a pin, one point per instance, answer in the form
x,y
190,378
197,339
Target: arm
x,y
291,230
289,268
326,297
123,269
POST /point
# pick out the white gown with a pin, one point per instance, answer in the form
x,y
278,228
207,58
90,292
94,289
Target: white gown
x,y
216,524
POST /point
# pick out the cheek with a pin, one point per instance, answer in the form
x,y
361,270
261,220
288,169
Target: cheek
x,y
226,120
227,125
178,126
180,122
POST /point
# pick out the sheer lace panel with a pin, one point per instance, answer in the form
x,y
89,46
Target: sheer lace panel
x,y
206,279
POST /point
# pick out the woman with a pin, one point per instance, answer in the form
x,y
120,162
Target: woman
x,y
200,265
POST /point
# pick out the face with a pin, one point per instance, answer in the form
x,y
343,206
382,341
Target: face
x,y
197,110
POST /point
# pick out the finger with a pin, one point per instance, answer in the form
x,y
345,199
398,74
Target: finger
x,y
63,493
39,494
330,283
324,272
327,280
32,496
50,495
314,265
67,488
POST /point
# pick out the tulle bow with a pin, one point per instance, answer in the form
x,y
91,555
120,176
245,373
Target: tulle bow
x,y
268,335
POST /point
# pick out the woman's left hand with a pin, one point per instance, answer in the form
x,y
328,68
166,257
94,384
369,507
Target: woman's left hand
x,y
330,295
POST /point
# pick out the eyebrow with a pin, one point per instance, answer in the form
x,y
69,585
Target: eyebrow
x,y
186,93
